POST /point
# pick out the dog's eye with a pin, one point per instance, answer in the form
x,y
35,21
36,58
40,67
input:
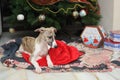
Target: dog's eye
x,y
49,37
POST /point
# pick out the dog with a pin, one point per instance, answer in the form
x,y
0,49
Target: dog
x,y
39,46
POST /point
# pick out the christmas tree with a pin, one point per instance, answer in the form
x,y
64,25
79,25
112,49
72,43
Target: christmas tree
x,y
54,13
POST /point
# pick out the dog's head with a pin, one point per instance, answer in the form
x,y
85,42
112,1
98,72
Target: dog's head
x,y
49,35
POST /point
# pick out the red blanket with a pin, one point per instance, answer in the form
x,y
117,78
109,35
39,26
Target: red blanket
x,y
63,54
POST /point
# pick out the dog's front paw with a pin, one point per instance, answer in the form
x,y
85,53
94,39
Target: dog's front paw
x,y
50,65
38,70
49,62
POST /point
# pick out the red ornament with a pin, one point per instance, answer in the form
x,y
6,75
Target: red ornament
x,y
78,0
45,2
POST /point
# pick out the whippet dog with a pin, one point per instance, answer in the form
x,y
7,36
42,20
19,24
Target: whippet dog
x,y
39,46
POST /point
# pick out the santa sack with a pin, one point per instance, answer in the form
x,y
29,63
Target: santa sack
x,y
63,54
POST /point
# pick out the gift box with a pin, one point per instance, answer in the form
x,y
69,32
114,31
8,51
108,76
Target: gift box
x,y
110,45
115,35
93,36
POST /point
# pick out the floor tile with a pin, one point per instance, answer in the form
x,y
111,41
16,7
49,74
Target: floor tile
x,y
84,76
50,76
12,74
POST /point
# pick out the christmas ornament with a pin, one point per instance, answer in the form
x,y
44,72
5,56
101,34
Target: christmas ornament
x,y
41,17
20,17
45,2
83,13
11,30
75,14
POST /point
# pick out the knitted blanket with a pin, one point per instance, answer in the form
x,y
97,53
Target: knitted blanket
x,y
66,58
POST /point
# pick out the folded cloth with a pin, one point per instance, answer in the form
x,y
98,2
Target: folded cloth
x,y
63,54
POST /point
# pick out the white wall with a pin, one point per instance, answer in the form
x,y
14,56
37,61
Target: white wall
x,y
110,14
116,16
107,8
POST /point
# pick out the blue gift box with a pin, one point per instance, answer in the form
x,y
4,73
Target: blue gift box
x,y
115,35
110,45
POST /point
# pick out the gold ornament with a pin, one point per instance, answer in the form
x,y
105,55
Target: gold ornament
x,y
75,14
41,17
11,30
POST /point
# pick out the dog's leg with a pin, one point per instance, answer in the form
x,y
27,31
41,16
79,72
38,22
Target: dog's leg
x,y
35,64
49,62
33,59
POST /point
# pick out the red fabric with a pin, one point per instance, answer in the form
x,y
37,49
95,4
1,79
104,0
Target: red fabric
x,y
63,54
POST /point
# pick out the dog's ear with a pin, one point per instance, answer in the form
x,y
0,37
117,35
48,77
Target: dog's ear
x,y
55,30
36,30
40,29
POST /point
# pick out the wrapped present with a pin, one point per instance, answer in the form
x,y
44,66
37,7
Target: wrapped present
x,y
103,31
110,45
93,36
115,35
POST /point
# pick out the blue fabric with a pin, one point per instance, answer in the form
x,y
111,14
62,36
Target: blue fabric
x,y
10,50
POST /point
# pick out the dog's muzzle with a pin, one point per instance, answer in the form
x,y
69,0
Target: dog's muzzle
x,y
53,44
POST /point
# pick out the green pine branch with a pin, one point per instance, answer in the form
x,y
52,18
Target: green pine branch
x,y
52,19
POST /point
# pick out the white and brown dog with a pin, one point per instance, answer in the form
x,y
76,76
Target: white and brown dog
x,y
39,46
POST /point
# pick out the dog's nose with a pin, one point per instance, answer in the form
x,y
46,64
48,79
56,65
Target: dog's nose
x,y
55,46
